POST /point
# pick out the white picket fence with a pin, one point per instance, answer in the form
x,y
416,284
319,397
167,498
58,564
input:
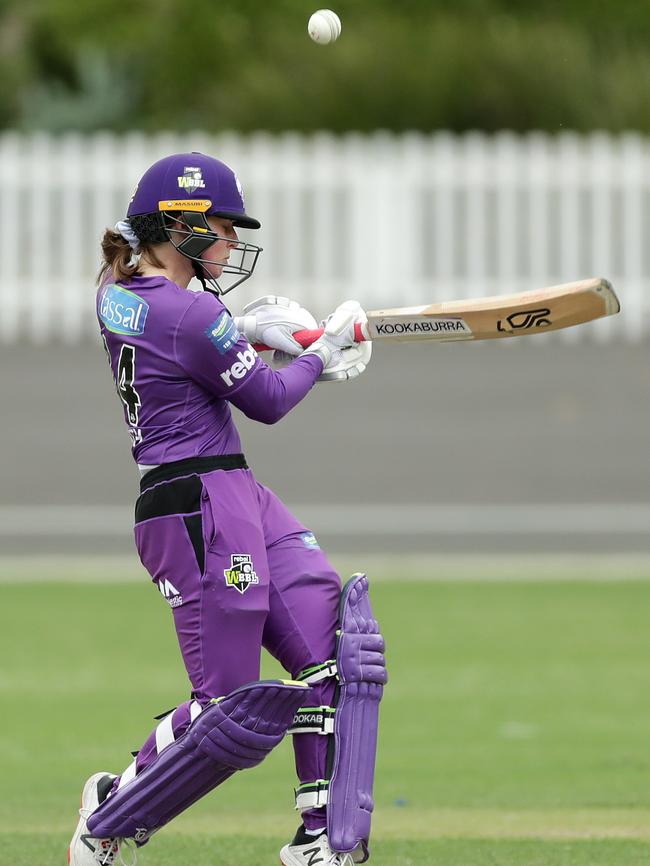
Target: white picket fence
x,y
390,220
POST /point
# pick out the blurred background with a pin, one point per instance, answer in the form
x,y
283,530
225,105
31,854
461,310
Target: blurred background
x,y
436,151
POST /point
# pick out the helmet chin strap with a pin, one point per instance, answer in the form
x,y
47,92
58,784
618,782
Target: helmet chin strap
x,y
198,273
205,281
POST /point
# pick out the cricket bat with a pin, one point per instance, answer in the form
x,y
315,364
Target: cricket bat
x,y
492,318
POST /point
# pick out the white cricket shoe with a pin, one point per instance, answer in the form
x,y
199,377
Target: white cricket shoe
x,y
85,849
306,850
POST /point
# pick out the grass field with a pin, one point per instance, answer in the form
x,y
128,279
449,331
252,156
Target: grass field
x,y
515,728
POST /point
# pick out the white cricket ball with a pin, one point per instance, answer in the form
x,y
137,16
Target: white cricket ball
x,y
324,26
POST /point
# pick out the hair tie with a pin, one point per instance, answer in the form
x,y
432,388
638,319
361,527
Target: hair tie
x,y
123,227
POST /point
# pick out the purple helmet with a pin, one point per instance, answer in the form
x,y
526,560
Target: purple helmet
x,y
172,202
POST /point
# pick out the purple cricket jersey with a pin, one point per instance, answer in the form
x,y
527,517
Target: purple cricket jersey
x,y
178,360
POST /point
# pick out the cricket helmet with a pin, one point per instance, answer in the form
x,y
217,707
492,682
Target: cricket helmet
x,y
172,202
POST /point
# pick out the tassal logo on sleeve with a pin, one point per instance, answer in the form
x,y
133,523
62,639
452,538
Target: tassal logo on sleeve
x,y
223,333
123,312
309,540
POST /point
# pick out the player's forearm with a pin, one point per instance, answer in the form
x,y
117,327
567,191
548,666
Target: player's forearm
x,y
270,394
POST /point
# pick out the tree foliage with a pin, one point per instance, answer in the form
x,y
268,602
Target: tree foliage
x,y
415,64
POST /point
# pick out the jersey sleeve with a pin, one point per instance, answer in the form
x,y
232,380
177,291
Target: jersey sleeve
x,y
211,351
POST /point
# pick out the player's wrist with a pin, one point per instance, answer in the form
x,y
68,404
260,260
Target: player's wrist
x,y
247,326
322,349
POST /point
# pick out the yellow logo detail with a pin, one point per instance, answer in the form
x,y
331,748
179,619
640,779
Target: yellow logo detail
x,y
201,205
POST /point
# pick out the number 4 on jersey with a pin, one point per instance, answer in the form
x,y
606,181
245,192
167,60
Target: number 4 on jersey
x,y
125,388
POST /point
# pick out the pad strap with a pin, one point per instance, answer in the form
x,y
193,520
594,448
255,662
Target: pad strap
x,y
312,795
316,673
313,720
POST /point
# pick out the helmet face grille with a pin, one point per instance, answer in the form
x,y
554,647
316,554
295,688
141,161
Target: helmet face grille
x,y
149,228
191,234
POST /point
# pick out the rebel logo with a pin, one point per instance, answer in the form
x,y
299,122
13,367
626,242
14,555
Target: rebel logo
x,y
239,369
241,573
525,320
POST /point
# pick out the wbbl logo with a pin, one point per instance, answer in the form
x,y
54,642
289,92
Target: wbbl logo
x,y
241,573
525,320
191,179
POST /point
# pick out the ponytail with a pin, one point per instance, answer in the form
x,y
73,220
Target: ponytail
x,y
118,255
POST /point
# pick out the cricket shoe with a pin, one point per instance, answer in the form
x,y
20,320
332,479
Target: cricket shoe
x,y
85,849
306,850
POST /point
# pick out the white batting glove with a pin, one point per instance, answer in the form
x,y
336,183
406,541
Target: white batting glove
x,y
272,320
348,363
342,357
339,332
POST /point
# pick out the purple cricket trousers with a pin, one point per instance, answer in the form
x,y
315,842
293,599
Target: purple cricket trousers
x,y
239,572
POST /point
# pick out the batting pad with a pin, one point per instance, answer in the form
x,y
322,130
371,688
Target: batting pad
x,y
360,668
233,733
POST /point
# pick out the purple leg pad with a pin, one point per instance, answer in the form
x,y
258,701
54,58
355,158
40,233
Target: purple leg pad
x,y
232,734
362,675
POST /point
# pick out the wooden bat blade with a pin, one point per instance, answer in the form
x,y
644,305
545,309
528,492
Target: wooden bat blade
x,y
490,318
535,312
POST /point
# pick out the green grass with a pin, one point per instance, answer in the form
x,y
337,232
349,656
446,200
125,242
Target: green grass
x,y
515,728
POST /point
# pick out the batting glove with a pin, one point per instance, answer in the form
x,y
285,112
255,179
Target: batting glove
x,y
272,320
342,357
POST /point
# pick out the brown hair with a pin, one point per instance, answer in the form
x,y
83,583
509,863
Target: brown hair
x,y
116,255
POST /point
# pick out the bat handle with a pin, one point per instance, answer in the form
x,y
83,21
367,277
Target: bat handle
x,y
309,336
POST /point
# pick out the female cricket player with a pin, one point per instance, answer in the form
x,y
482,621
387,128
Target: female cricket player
x,y
238,570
